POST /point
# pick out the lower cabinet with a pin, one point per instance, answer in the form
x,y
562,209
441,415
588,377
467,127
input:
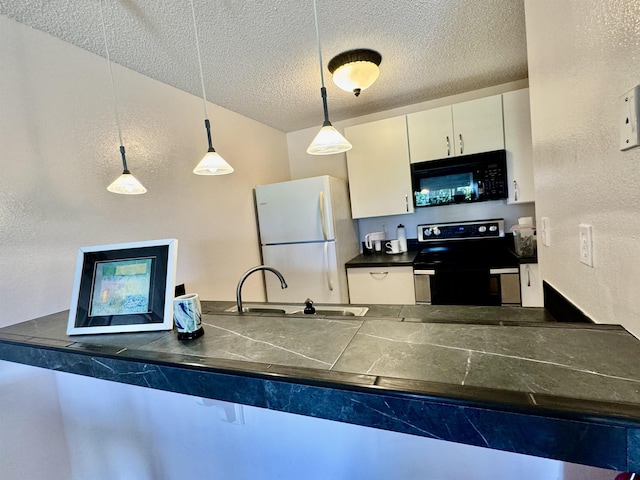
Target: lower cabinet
x,y
531,285
381,285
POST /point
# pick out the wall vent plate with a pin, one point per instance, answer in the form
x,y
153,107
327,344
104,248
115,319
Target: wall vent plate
x,y
629,137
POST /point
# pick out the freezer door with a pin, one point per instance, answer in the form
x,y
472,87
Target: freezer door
x,y
296,211
310,270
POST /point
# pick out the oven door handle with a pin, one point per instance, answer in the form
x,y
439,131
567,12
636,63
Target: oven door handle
x,y
498,271
424,272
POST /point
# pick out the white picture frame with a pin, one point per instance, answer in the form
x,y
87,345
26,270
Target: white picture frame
x,y
124,287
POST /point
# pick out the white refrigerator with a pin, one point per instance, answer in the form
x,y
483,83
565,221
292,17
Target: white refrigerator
x,y
307,233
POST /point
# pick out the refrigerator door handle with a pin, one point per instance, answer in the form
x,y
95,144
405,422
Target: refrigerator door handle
x,y
323,219
327,269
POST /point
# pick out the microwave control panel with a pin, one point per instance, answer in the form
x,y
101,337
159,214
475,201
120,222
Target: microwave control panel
x,y
491,183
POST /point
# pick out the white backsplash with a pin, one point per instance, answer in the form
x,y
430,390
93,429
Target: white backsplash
x,y
446,213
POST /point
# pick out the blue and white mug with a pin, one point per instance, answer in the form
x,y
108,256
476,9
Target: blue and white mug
x,y
187,315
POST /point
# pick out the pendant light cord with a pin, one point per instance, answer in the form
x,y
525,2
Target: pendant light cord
x,y
113,88
323,90
195,29
315,14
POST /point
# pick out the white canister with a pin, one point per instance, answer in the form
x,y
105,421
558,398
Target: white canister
x,y
401,235
187,316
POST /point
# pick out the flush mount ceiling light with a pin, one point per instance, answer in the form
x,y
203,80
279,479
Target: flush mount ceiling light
x,y
355,70
328,140
125,184
212,163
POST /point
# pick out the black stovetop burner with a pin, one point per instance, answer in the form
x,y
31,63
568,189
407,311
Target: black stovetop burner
x,y
464,245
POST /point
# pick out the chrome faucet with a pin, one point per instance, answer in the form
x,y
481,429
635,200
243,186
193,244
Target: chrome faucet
x,y
283,284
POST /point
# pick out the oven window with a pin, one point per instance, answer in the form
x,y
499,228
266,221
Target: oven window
x,y
457,187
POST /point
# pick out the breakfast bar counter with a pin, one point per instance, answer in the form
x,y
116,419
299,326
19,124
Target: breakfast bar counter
x,y
510,380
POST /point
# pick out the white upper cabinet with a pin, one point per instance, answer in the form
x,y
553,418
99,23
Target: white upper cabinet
x,y
454,130
430,134
478,125
517,139
378,165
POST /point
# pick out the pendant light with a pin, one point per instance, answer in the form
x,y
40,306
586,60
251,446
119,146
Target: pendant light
x,y
328,140
355,70
212,163
125,184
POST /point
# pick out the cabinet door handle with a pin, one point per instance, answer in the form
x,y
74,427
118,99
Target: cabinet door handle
x,y
406,202
461,145
516,191
528,276
383,274
448,147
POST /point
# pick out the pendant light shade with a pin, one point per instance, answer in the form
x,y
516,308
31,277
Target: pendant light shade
x,y
355,70
328,141
212,163
125,184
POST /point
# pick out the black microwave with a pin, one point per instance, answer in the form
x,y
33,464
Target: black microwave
x,y
470,178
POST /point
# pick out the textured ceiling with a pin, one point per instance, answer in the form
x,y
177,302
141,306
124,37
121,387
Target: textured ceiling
x,y
260,56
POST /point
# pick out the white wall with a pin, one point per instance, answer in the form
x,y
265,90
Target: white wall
x,y
60,151
583,55
33,441
115,431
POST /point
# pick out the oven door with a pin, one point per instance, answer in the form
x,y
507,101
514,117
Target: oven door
x,y
462,286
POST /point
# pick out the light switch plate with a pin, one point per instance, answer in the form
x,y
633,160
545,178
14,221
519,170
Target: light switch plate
x,y
545,233
586,245
629,137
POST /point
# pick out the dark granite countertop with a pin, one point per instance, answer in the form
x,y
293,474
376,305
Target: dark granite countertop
x,y
503,378
383,260
524,259
407,258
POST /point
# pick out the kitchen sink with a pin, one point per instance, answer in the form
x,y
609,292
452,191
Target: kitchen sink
x,y
342,312
286,309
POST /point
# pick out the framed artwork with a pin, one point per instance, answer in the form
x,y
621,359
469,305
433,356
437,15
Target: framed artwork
x,y
126,287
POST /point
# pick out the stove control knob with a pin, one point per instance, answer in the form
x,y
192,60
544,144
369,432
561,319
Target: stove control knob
x,y
482,229
426,232
493,228
436,231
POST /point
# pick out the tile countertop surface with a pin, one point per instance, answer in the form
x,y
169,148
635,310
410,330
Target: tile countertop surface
x,y
407,258
506,378
383,259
